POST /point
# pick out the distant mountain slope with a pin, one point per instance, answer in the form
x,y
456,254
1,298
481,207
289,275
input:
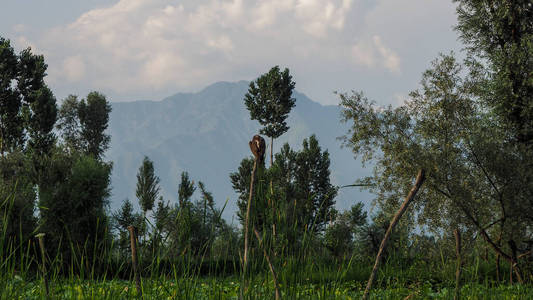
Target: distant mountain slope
x,y
207,134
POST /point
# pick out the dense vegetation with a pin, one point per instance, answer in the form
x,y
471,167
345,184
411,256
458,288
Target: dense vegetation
x,y
469,126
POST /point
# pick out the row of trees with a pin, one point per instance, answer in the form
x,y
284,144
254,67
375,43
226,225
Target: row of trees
x,y
53,178
469,126
187,226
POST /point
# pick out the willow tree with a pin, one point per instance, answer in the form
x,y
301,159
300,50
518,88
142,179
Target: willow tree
x,y
474,177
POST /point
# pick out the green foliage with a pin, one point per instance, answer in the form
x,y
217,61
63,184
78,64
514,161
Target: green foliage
x,y
83,123
68,123
476,177
11,125
147,185
94,118
28,107
72,201
122,218
301,198
340,235
269,101
185,189
499,35
195,226
17,197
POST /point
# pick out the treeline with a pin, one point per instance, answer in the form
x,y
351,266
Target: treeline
x,y
469,126
53,177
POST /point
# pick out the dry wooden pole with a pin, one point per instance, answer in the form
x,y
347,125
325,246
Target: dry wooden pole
x,y
246,225
40,236
457,235
419,180
272,270
133,244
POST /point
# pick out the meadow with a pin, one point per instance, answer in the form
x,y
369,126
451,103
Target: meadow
x,y
300,277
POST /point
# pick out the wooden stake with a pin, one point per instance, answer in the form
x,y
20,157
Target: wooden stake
x,y
419,180
246,225
40,236
133,244
457,235
274,276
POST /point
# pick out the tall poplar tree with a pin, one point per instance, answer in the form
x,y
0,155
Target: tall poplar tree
x,y
269,100
94,118
147,185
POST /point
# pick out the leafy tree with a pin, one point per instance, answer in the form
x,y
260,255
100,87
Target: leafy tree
x,y
196,225
72,201
17,198
185,189
312,185
41,123
474,180
162,215
94,117
339,236
27,106
162,221
11,118
68,123
124,217
269,101
499,35
301,195
147,185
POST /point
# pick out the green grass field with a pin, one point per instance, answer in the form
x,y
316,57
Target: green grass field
x,y
17,288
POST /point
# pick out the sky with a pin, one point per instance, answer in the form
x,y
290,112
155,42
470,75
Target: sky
x,y
150,49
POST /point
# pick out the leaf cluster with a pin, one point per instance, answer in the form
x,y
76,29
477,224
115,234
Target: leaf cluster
x,y
269,100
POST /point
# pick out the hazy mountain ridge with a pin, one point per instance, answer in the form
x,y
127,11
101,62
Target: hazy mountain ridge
x,y
207,134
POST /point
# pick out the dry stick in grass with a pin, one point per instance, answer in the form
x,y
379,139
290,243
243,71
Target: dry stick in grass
x,y
246,224
40,236
457,235
274,276
419,180
133,244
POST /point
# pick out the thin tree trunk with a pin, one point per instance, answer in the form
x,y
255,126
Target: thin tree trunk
x,y
498,276
514,256
271,149
419,181
274,276
246,225
271,202
40,236
457,235
133,244
487,238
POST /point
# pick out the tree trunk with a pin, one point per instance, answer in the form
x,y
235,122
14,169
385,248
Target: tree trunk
x,y
246,225
418,183
133,244
271,146
457,235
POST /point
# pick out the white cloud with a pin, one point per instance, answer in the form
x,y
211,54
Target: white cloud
x,y
73,68
149,48
148,45
373,52
318,16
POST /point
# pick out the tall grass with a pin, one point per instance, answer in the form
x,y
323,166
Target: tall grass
x,y
101,271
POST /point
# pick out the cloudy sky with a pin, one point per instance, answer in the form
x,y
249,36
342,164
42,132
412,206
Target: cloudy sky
x,y
150,49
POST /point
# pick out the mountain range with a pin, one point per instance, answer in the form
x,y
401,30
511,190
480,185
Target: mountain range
x,y
207,133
